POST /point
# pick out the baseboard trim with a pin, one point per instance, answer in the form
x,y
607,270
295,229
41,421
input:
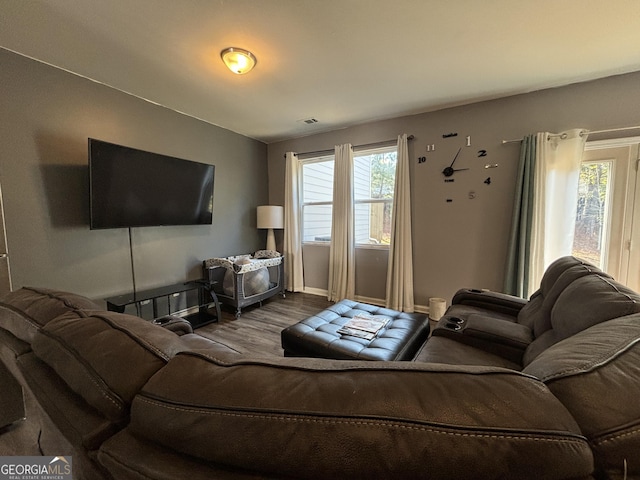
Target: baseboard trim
x,y
370,300
361,298
316,291
421,309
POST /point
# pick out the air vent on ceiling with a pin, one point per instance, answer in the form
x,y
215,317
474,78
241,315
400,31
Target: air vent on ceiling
x,y
309,121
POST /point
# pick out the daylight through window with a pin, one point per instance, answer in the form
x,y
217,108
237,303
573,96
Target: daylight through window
x,y
592,216
374,180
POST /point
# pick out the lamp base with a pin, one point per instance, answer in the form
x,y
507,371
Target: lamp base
x,y
271,240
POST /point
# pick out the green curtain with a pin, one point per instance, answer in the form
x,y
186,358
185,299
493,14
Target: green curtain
x,y
517,272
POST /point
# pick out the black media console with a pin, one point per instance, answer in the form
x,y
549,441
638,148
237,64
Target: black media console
x,y
168,300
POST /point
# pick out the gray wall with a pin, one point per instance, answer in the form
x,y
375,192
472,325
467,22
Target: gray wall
x,y
47,116
463,242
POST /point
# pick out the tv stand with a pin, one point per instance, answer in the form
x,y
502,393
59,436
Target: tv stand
x,y
158,296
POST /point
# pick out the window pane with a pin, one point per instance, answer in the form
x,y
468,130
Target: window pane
x,y
317,182
373,223
374,178
316,223
374,175
589,242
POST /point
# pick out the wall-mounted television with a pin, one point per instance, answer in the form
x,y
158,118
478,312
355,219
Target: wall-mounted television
x,y
134,188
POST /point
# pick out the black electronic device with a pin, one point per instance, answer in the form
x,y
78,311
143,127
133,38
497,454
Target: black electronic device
x,y
135,188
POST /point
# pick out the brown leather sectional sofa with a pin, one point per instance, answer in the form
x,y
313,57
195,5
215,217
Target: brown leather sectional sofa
x,y
551,392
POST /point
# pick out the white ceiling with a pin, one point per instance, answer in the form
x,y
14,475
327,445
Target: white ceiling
x,y
342,62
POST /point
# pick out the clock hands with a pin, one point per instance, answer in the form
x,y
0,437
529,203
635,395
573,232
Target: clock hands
x,y
448,171
455,158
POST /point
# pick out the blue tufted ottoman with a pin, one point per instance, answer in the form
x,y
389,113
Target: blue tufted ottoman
x,y
318,336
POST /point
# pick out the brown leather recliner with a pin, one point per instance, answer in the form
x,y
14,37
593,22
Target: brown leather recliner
x,y
579,334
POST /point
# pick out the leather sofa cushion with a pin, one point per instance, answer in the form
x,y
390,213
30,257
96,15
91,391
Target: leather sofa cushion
x,y
12,345
25,311
80,423
504,338
118,455
105,357
446,350
193,341
590,374
587,301
559,275
540,344
591,300
327,419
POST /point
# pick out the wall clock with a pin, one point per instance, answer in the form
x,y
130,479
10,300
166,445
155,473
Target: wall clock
x,y
460,157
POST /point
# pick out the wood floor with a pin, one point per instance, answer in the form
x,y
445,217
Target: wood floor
x,y
258,329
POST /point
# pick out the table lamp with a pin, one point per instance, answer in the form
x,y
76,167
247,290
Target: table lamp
x,y
270,217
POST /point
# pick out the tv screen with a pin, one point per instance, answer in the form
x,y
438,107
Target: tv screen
x,y
134,188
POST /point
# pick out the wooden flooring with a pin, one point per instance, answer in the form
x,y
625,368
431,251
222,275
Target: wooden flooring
x,y
258,329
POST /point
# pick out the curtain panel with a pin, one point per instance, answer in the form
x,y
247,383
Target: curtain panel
x,y
342,249
557,174
545,207
294,273
519,250
399,291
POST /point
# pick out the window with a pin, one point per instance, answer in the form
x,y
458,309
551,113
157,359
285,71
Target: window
x,y
317,199
608,215
374,180
592,218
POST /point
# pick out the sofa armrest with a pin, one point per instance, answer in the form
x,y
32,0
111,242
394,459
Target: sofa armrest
x,y
495,301
507,339
176,324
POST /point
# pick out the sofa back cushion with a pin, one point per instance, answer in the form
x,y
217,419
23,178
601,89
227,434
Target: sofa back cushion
x,y
587,301
591,300
341,419
596,375
24,311
105,357
561,273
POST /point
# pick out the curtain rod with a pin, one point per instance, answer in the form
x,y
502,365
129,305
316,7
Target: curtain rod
x,y
585,132
355,147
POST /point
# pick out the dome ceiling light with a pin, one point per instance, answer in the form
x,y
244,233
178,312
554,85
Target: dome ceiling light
x,y
239,61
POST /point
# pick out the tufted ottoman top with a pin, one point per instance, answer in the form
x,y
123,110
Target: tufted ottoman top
x,y
318,336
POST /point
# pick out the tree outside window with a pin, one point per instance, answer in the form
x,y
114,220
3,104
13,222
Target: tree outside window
x,y
374,179
592,214
374,182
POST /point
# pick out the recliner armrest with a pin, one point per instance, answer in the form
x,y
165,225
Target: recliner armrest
x,y
495,301
176,324
506,339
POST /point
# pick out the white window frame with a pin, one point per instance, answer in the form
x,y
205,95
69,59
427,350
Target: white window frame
x,y
362,201
625,189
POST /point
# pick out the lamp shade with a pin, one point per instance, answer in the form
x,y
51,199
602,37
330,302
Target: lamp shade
x,y
270,216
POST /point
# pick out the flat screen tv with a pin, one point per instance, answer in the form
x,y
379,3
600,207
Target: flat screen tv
x,y
134,188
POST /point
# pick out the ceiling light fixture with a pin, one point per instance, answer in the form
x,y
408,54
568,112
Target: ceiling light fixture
x,y
239,61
